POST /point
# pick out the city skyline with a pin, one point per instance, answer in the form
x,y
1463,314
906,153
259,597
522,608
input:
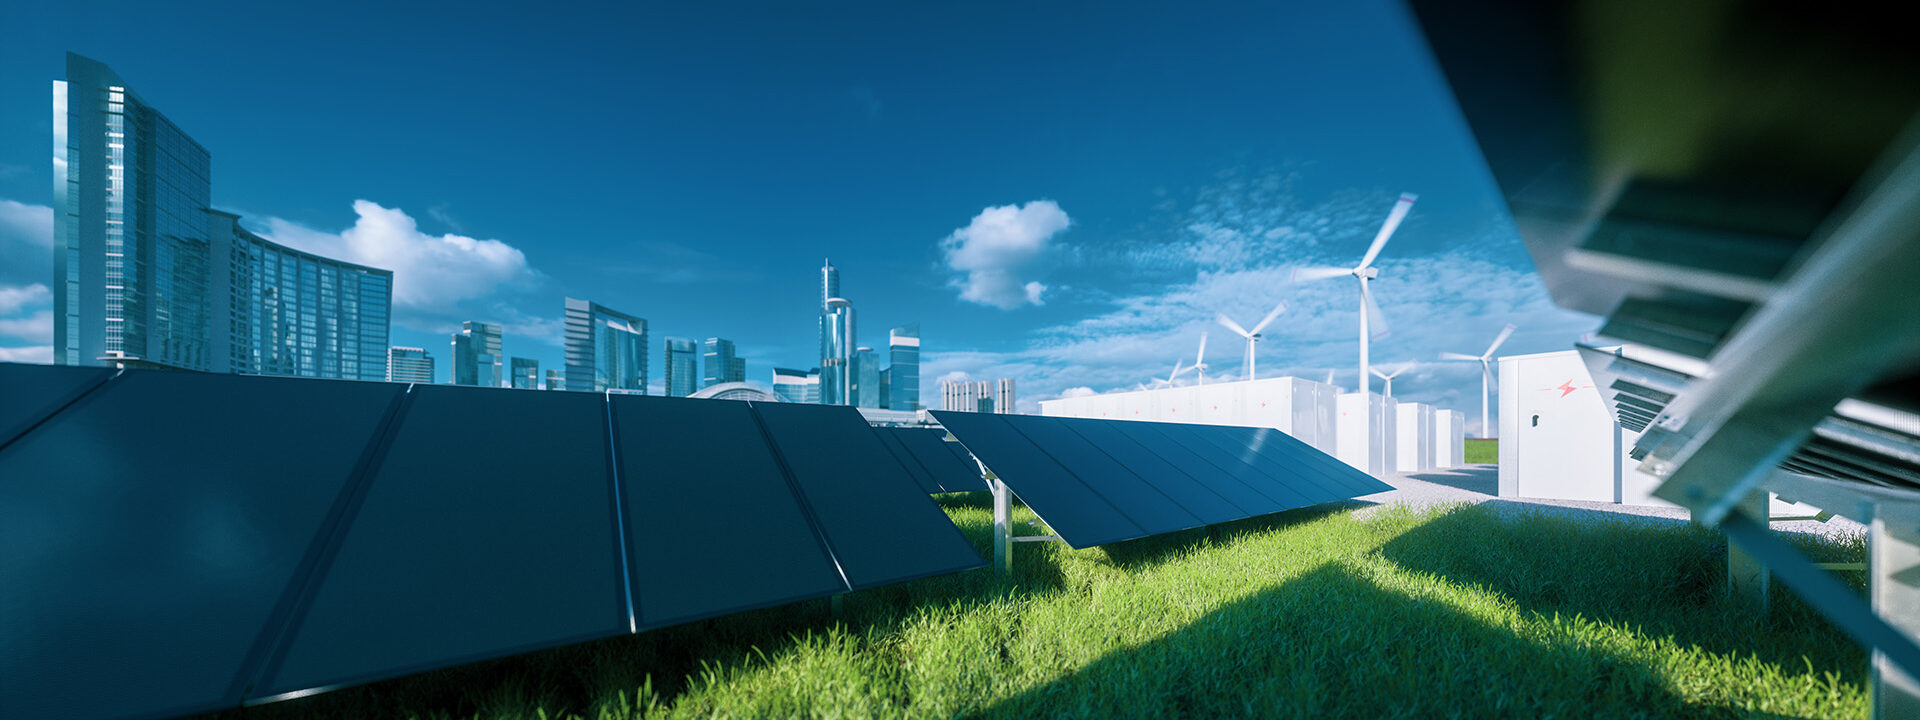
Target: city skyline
x,y
1080,259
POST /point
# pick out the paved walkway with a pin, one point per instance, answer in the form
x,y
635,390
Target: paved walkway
x,y
1478,484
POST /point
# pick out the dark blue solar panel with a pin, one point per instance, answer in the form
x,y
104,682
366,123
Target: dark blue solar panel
x,y
148,533
1227,479
1279,448
1143,503
1275,479
880,525
31,393
949,472
716,527
1081,516
1179,485
906,459
488,529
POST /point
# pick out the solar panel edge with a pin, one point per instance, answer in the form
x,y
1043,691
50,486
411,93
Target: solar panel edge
x,y
942,455
799,494
1190,515
1202,522
367,678
623,535
1138,532
271,645
43,415
907,459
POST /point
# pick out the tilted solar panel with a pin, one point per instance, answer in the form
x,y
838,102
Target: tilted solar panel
x,y
34,392
906,458
949,466
487,530
882,529
152,531
1092,479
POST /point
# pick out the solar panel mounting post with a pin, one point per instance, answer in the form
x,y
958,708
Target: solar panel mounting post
x,y
1893,555
1002,524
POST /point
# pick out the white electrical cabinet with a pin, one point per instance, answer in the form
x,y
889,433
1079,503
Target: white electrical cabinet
x,y
1367,434
1301,408
1413,451
1449,439
1557,439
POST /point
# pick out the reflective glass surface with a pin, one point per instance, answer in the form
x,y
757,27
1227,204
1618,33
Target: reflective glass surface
x,y
1081,516
1178,484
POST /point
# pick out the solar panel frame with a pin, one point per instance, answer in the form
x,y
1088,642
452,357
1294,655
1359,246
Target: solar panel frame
x,y
37,392
1081,517
1192,494
948,464
1143,502
1346,478
907,460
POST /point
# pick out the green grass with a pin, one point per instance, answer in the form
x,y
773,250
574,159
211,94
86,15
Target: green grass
x,y
1455,612
1481,451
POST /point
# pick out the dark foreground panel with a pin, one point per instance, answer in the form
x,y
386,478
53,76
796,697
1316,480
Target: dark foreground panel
x,y
946,465
1100,481
33,392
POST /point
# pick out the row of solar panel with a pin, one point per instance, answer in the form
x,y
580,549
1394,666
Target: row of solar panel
x,y
1101,481
179,542
937,465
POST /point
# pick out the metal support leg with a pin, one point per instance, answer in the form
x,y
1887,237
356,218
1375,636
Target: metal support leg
x,y
1893,586
1746,575
1002,528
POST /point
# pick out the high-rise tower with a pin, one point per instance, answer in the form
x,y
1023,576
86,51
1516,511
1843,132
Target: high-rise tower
x,y
903,369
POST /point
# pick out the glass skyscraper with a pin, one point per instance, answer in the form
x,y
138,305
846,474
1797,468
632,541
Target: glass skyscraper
x,y
146,275
682,367
476,354
836,352
410,365
865,371
555,381
723,365
903,367
605,349
797,386
526,373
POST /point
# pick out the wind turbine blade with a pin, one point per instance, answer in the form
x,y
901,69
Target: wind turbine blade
x,y
1310,274
1498,340
1200,358
1329,377
1376,322
1376,372
1231,325
1386,231
1459,356
1176,372
1277,309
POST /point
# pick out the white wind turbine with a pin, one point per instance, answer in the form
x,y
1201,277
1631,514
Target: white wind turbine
x,y
1369,312
1199,363
1252,336
1388,390
1486,374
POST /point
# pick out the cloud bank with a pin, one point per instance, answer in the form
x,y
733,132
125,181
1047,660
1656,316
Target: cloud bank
x,y
998,252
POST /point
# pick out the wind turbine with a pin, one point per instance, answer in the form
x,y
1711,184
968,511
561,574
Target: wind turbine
x,y
1388,390
1486,373
1199,363
1252,336
1363,272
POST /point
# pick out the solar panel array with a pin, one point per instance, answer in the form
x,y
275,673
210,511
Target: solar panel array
x,y
1101,481
939,466
178,542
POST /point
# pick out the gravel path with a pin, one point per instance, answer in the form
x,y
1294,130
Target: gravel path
x,y
1477,484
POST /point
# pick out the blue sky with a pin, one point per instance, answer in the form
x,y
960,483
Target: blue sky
x,y
1134,168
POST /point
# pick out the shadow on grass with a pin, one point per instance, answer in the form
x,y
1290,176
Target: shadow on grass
x,y
1334,644
1665,576
1483,480
1147,552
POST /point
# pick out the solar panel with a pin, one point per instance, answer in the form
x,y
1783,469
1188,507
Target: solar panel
x,y
152,530
483,533
949,466
1091,479
881,527
1081,516
907,460
716,527
34,392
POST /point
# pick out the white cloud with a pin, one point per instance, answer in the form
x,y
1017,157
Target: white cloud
x,y
37,327
15,299
41,354
26,242
29,223
998,250
1074,392
952,376
431,273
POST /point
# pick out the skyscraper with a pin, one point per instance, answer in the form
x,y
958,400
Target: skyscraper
x,y
1003,396
476,354
836,352
865,372
146,275
461,369
792,385
606,349
526,374
722,365
903,369
682,367
829,282
408,364
968,396
555,381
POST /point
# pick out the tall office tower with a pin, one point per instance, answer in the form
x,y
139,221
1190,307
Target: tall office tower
x,y
555,381
886,388
903,369
722,364
460,371
812,396
145,275
287,312
486,352
790,384
682,367
606,350
526,373
836,352
1003,396
409,365
829,283
965,396
865,371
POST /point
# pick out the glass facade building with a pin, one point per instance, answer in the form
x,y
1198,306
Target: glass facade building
x,y
836,352
526,373
865,372
682,367
476,355
605,349
903,367
797,386
409,365
723,364
555,381
146,275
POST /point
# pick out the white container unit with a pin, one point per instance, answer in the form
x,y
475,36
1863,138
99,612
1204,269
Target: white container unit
x,y
1557,439
1367,435
1449,439
1302,408
1413,449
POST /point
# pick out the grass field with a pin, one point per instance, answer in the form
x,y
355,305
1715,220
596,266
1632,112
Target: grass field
x,y
1482,451
1457,612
